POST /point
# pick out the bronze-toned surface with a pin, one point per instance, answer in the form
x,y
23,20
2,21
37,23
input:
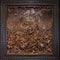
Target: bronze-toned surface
x,y
29,30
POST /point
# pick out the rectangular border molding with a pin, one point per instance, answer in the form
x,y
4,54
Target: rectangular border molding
x,y
54,4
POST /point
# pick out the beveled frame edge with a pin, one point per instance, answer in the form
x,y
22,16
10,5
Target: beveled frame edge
x,y
3,37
